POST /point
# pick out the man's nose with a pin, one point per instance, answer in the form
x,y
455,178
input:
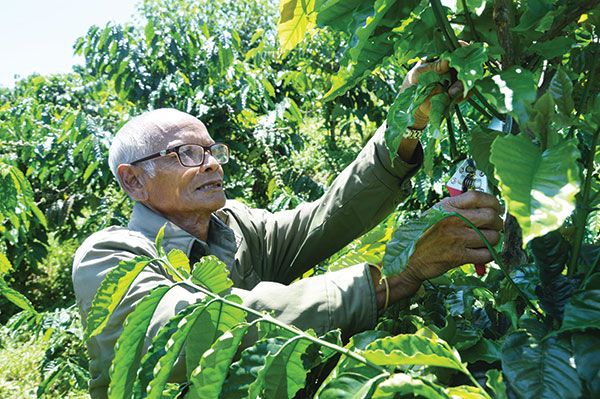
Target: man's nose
x,y
210,163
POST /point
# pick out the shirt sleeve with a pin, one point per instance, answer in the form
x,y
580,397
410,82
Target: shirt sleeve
x,y
282,246
325,302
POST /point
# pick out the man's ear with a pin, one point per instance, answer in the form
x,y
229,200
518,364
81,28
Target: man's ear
x,y
133,182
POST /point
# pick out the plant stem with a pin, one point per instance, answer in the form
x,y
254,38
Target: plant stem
x,y
452,139
479,108
586,91
591,270
583,210
461,121
436,6
499,263
167,264
453,44
485,103
503,24
294,330
490,66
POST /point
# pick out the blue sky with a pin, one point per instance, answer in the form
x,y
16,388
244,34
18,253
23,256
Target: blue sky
x,y
38,35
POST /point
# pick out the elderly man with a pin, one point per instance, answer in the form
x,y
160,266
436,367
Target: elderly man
x,y
167,161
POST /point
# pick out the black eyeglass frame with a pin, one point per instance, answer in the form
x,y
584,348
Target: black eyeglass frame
x,y
175,150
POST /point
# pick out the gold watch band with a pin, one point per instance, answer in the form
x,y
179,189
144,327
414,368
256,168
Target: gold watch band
x,y
412,134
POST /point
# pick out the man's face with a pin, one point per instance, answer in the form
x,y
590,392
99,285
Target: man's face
x,y
185,192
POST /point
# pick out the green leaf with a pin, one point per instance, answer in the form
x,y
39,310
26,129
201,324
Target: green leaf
x,y
550,49
24,188
207,379
512,91
129,346
218,318
179,261
111,291
296,18
583,311
338,14
406,104
480,145
586,348
466,392
168,350
358,342
367,20
539,123
163,348
412,349
439,111
350,74
89,170
283,373
243,372
404,240
551,252
400,117
458,332
538,15
561,89
158,241
539,186
468,62
211,273
496,383
16,297
5,265
149,32
485,350
540,369
370,25
349,385
403,384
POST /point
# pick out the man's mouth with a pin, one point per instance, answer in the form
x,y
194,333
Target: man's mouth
x,y
211,186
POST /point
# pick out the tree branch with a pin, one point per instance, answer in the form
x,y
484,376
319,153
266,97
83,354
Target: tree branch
x,y
503,20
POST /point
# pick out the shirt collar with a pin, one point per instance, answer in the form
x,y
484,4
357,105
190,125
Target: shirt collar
x,y
222,241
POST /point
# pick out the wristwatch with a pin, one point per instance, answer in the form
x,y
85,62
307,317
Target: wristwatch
x,y
413,134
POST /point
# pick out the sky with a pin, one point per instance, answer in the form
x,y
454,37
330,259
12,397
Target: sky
x,y
38,35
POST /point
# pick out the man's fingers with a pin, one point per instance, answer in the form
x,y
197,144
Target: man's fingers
x,y
474,241
439,66
478,255
456,89
483,218
475,199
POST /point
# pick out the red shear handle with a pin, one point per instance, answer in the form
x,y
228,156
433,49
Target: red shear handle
x,y
480,269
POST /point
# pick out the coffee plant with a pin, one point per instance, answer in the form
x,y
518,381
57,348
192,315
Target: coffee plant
x,y
295,100
530,66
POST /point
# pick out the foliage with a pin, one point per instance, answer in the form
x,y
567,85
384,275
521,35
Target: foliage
x,y
531,66
295,114
275,366
45,356
53,151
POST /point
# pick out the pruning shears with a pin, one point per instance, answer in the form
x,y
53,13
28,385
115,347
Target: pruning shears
x,y
468,178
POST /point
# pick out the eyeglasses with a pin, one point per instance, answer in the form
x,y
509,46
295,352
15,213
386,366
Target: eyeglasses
x,y
191,155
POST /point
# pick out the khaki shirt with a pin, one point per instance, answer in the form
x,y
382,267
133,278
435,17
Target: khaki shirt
x,y
264,252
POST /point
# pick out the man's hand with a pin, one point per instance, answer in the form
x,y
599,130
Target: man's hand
x,y
448,244
412,78
408,146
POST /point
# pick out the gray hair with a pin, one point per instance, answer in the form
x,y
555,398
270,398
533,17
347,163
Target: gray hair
x,y
133,141
140,137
